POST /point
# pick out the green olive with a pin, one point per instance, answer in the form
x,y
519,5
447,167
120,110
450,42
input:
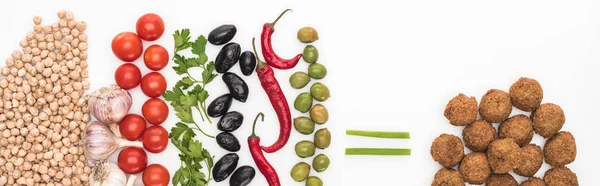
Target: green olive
x,y
304,125
305,149
308,35
319,91
310,54
303,102
300,171
319,114
322,138
299,79
317,71
320,163
314,181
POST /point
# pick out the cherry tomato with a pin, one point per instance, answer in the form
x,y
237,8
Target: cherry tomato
x,y
155,139
132,160
128,76
132,127
156,57
127,46
154,84
155,111
150,27
156,175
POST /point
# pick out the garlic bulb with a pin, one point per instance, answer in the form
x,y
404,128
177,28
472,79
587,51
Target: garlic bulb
x,y
107,174
99,142
110,104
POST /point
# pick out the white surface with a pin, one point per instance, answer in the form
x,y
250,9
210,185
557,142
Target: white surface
x,y
391,67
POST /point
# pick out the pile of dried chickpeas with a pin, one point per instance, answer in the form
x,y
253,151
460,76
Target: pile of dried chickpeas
x,y
43,107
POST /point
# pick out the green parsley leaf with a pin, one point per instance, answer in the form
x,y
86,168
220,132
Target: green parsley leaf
x,y
185,83
199,46
182,39
202,96
184,114
207,74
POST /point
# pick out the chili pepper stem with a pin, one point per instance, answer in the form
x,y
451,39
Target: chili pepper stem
x,y
260,63
262,116
272,24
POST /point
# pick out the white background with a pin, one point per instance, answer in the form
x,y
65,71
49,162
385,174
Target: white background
x,y
391,67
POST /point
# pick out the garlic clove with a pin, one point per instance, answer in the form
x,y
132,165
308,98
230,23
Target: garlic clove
x,y
110,104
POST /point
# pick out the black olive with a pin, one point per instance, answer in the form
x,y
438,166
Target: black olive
x,y
222,34
231,121
242,176
227,57
228,142
219,106
225,166
247,63
236,85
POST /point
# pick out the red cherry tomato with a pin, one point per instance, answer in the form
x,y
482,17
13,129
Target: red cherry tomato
x,y
150,27
155,111
132,160
128,76
156,175
156,57
154,84
155,139
127,46
132,127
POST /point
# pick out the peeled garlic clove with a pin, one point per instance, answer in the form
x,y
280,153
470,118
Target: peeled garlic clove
x,y
110,104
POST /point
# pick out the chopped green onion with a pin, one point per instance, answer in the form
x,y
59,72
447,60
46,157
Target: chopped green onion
x,y
377,151
378,134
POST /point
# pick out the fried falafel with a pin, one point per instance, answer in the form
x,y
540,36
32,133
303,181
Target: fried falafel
x,y
560,149
448,150
478,135
495,106
560,176
526,94
461,110
548,119
533,182
503,155
518,127
501,180
475,168
448,177
530,160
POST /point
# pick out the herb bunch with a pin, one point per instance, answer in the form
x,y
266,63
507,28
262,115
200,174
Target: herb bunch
x,y
187,94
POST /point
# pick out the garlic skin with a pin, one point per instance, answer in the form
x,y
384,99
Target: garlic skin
x,y
107,174
110,104
99,142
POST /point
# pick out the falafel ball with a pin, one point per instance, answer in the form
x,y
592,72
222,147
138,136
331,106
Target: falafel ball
x,y
495,106
530,160
526,94
501,180
448,150
518,127
533,182
478,135
548,119
560,149
503,155
448,177
560,176
475,168
461,110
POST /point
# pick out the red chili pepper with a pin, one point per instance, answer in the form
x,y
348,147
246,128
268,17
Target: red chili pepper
x,y
261,162
278,101
270,57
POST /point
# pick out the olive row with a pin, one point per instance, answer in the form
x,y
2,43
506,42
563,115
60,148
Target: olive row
x,y
230,121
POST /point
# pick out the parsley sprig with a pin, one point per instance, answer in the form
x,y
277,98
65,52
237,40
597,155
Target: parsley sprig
x,y
187,94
